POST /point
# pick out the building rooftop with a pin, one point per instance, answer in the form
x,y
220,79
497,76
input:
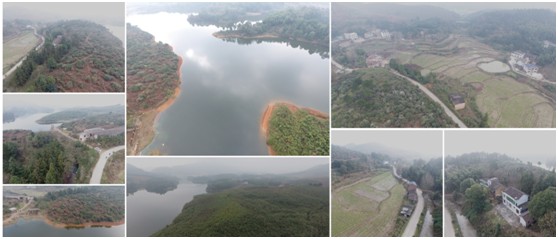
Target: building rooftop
x,y
514,192
457,99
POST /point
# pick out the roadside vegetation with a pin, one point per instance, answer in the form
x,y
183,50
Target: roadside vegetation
x,y
376,98
45,157
113,173
477,203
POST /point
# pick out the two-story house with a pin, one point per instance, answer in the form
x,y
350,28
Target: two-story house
x,y
515,200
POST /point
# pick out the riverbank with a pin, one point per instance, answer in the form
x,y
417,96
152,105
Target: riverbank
x,y
63,225
145,129
268,113
265,36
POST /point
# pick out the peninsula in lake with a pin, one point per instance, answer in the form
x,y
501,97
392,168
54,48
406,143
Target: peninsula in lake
x,y
228,197
36,211
202,87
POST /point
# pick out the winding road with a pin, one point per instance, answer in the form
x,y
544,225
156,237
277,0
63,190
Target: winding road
x,y
100,166
434,98
103,157
25,57
415,217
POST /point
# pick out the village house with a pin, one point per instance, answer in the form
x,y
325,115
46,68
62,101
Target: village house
x,y
96,132
351,36
458,101
412,192
406,211
515,200
494,186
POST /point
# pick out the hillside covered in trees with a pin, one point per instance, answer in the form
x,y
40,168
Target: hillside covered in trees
x,y
153,79
296,131
462,183
84,205
45,157
375,97
138,179
299,208
77,56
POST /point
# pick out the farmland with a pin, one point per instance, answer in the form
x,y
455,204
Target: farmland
x,y
17,47
507,99
367,207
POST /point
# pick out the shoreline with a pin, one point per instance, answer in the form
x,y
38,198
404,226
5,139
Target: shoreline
x,y
150,117
62,225
268,112
268,36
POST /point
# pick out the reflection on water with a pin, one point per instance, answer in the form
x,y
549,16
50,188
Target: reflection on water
x,y
147,212
38,228
226,87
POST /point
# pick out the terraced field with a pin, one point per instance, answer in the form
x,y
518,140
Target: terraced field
x,y
368,207
508,102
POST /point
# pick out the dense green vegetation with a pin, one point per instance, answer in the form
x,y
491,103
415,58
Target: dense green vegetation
x,y
521,29
464,171
227,14
308,24
76,56
137,179
292,210
62,116
298,132
375,97
151,69
113,173
93,121
79,205
85,117
44,157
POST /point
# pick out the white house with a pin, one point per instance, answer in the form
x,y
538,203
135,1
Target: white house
x,y
515,200
351,36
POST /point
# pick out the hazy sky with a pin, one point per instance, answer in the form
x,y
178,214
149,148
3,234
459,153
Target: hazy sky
x,y
249,165
427,143
59,101
471,7
102,13
513,143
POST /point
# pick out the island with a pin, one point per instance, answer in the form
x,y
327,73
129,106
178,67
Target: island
x,y
292,130
153,71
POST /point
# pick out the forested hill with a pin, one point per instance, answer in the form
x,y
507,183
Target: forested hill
x,y
524,30
306,24
138,179
77,56
79,205
292,210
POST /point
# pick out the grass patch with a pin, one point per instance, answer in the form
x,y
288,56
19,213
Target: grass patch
x,y
113,173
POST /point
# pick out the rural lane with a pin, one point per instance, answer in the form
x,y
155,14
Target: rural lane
x,y
412,224
25,57
103,158
448,226
434,98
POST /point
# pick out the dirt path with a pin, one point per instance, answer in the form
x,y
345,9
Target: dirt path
x,y
434,98
15,215
100,166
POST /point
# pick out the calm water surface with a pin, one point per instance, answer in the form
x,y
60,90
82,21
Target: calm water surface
x,y
226,87
150,212
28,122
38,228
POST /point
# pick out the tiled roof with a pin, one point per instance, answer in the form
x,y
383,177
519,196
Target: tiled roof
x,y
514,192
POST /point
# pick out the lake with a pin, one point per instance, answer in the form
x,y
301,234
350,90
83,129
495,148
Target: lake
x,y
494,67
38,228
148,212
226,87
28,122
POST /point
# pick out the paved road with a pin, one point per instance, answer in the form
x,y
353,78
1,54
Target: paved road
x,y
103,158
412,225
25,57
434,98
448,226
